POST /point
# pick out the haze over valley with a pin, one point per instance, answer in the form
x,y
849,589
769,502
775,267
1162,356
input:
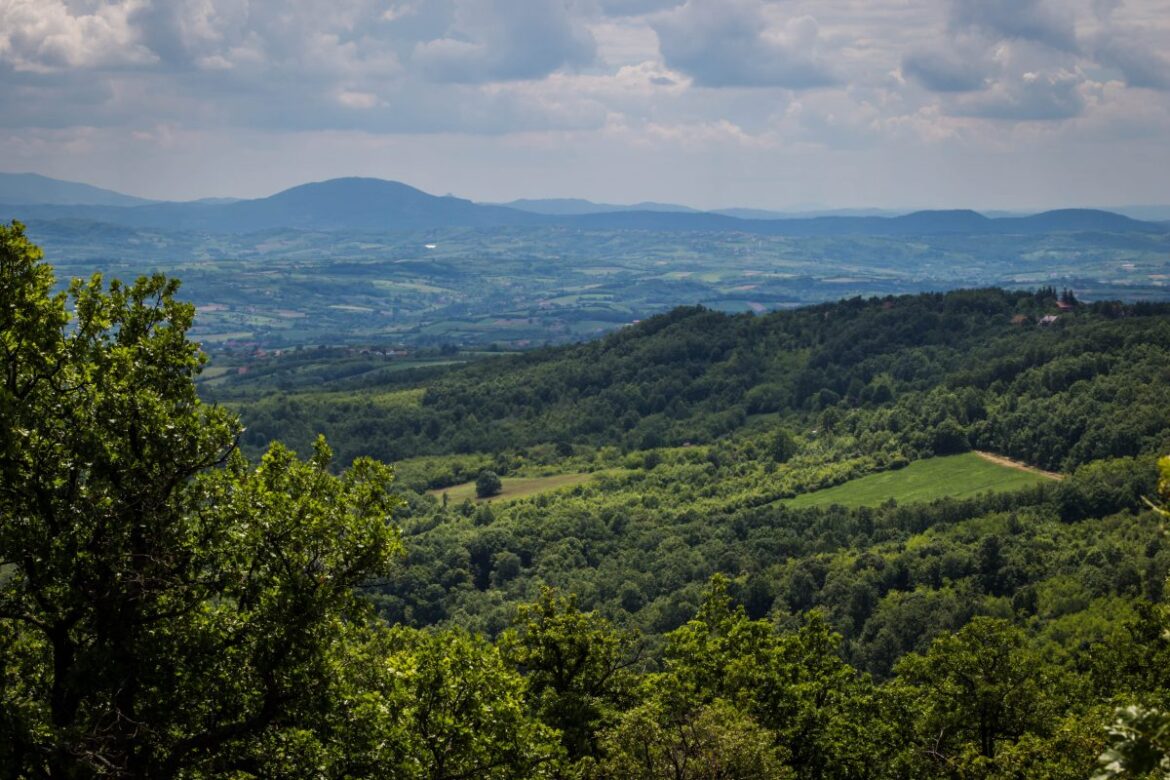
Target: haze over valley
x,y
378,263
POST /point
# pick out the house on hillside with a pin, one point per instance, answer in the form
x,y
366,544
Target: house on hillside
x,y
1049,319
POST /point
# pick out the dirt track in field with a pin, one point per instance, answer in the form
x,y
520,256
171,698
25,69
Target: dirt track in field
x,y
1015,464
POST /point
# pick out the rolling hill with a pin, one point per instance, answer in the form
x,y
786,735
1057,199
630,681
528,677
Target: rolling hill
x,y
32,188
367,204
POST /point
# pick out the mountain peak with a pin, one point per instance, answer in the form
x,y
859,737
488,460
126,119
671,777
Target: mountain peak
x,y
371,204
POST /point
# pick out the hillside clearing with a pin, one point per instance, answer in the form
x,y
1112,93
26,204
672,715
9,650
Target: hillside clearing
x,y
952,476
514,487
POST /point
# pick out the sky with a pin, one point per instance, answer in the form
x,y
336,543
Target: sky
x,y
1013,104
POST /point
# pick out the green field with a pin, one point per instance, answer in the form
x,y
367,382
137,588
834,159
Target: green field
x,y
953,476
514,487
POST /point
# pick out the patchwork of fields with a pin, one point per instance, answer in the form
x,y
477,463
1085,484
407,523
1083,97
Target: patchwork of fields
x,y
524,287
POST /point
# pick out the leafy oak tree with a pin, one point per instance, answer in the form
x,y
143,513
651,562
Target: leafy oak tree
x,y
717,741
166,608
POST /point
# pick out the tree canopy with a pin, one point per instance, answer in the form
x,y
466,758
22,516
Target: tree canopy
x,y
164,605
488,484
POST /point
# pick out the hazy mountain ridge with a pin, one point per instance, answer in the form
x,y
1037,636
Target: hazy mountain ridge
x,y
577,206
32,188
580,206
376,204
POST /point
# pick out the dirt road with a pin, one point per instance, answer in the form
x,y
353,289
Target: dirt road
x,y
1015,464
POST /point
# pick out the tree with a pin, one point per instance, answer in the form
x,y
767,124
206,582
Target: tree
x,y
977,688
794,685
1140,735
783,445
488,484
717,741
948,438
165,607
576,666
1140,744
464,713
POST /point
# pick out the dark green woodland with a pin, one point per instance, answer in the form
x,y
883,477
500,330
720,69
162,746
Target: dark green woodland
x,y
706,546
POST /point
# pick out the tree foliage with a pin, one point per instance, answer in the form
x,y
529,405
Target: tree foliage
x,y
488,484
977,689
1141,733
165,606
577,667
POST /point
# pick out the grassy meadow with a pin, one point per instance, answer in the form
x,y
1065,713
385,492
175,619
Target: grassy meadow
x,y
952,476
514,487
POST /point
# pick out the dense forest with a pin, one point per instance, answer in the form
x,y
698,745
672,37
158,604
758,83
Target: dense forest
x,y
179,597
931,369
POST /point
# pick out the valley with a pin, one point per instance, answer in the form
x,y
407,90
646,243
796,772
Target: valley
x,y
374,264
764,447
755,512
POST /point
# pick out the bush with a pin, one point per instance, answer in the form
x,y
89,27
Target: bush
x,y
488,484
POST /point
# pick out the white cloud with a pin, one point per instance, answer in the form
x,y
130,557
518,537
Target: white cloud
x,y
1042,21
636,7
1136,47
501,40
954,68
729,43
1032,96
358,100
47,36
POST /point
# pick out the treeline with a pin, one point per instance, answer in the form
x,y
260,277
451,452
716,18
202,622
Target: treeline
x,y
734,697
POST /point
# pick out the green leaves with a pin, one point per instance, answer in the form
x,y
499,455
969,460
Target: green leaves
x,y
1141,744
488,484
465,712
978,689
165,606
577,667
716,741
819,711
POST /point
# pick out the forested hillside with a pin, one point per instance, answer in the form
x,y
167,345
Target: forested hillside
x,y
641,582
696,429
914,375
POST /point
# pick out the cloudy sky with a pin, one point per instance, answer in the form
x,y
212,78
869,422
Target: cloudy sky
x,y
768,103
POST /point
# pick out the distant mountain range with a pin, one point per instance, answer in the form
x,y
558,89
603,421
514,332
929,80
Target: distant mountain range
x,y
564,207
578,206
364,204
28,188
